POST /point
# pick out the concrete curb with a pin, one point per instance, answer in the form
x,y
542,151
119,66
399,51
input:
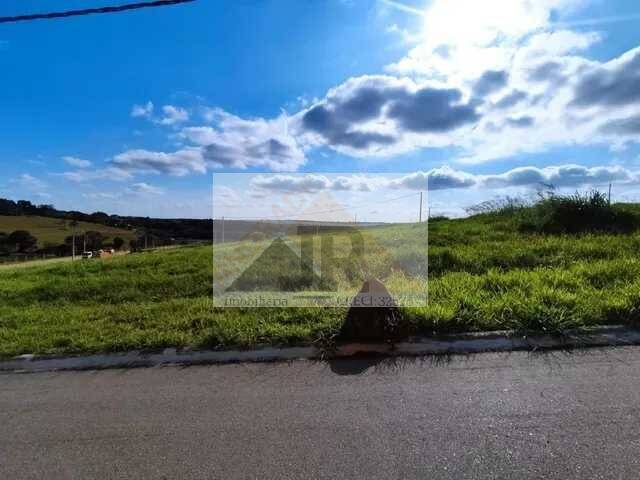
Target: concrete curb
x,y
450,344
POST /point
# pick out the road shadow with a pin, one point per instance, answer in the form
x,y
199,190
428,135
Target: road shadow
x,y
375,363
553,358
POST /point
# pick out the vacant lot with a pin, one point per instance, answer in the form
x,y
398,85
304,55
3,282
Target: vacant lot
x,y
55,230
484,275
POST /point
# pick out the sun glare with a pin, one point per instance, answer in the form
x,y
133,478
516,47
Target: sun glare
x,y
479,23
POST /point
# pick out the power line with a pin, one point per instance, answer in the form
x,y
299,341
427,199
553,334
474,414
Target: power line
x,y
91,11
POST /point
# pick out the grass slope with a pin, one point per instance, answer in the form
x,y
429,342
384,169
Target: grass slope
x,y
484,275
55,230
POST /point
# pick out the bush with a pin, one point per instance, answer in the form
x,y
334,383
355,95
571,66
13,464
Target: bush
x,y
118,243
577,213
22,241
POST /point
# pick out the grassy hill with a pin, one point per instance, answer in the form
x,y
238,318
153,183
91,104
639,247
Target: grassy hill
x,y
54,230
485,274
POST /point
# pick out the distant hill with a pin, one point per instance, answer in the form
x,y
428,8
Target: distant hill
x,y
160,229
163,231
55,230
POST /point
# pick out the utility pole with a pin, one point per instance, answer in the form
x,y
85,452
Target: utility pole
x,y
84,241
420,218
73,224
609,193
222,229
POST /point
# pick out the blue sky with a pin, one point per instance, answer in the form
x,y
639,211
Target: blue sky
x,y
133,113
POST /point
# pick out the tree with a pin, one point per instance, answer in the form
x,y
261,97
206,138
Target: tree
x,y
4,247
25,207
133,245
118,243
94,240
22,240
99,217
8,207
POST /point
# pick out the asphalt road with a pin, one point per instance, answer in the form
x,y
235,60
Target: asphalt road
x,y
518,415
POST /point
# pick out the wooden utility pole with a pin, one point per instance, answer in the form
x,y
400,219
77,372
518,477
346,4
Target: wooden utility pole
x,y
420,217
73,224
609,193
222,229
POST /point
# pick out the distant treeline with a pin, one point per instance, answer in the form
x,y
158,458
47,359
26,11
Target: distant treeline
x,y
22,242
163,230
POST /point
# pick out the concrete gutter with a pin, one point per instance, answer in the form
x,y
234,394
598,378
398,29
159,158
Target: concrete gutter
x,y
450,344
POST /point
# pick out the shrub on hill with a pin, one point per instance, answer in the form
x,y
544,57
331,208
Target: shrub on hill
x,y
577,213
552,213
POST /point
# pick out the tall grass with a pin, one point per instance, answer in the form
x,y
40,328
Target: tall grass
x,y
485,273
551,213
578,213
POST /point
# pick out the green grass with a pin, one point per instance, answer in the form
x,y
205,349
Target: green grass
x,y
484,275
55,230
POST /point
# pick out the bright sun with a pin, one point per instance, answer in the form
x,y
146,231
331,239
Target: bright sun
x,y
480,23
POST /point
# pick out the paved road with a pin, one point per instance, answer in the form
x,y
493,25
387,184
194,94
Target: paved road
x,y
512,415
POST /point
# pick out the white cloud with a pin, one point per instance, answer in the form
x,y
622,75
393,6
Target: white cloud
x,y
178,163
310,183
173,115
145,188
528,108
383,115
136,190
241,143
406,36
107,173
492,79
227,141
545,70
463,38
468,22
447,178
559,176
77,162
100,196
29,182
292,183
145,110
442,178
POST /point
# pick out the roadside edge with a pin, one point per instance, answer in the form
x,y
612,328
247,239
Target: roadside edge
x,y
500,341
